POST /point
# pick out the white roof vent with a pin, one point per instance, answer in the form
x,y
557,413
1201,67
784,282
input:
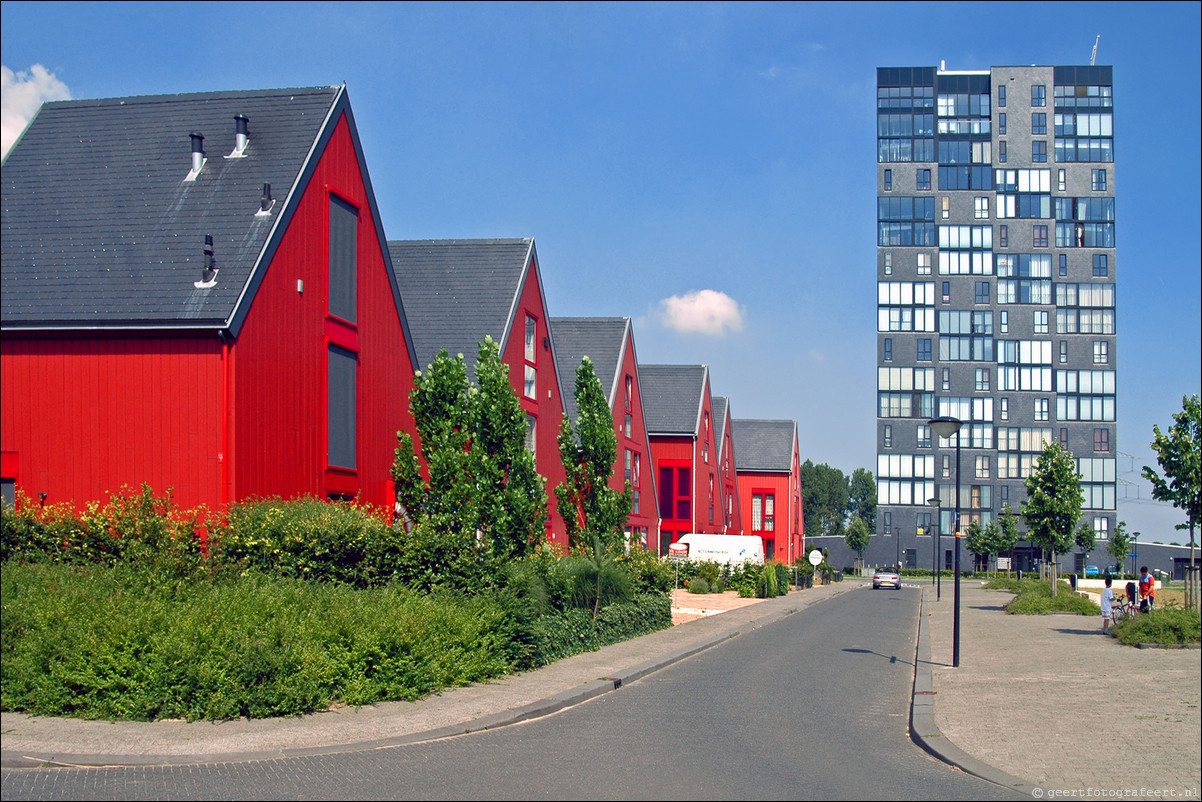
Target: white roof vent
x,y
241,138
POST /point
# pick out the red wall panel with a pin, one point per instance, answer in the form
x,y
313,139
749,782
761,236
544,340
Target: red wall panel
x,y
547,405
280,357
86,416
648,514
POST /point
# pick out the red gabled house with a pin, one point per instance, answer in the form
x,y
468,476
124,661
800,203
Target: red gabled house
x,y
732,514
457,292
197,295
684,452
609,344
769,470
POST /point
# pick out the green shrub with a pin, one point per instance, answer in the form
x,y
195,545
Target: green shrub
x,y
1034,597
698,584
96,642
782,578
648,573
1169,627
709,571
131,526
718,586
571,632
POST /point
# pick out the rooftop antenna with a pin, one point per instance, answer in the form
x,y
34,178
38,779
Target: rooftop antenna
x,y
1094,55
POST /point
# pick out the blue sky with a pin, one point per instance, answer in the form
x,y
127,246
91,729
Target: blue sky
x,y
659,151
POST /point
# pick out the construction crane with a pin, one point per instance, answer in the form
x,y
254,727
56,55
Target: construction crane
x,y
1094,55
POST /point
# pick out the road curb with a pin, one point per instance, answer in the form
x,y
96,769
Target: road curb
x,y
926,734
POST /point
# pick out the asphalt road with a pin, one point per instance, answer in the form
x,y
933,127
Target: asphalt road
x,y
813,706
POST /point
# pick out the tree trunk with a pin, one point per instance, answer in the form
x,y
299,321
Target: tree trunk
x,y
1052,571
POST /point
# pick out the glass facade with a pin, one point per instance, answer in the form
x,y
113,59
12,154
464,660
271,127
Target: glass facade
x,y
1022,351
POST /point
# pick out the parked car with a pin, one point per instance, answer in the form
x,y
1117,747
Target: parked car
x,y
1092,570
883,577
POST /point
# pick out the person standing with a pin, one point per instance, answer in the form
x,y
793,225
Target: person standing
x,y
1147,590
1107,607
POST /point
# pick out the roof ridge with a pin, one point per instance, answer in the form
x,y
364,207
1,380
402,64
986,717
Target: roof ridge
x,y
186,96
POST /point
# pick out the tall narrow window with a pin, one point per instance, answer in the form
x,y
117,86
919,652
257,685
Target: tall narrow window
x,y
340,408
1001,123
343,266
1001,95
888,264
531,434
1003,236
888,349
1001,150
888,180
1039,95
1061,179
531,357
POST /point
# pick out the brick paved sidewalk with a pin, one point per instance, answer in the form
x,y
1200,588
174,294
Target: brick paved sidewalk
x,y
1051,700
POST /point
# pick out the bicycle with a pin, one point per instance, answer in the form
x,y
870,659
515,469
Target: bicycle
x,y
1122,609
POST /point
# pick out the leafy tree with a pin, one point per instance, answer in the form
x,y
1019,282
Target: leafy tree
x,y
983,541
1085,539
862,502
824,498
1007,537
593,512
483,489
1179,453
1120,545
441,403
858,536
1054,501
512,504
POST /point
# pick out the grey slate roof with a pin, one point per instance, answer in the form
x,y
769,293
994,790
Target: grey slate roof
x,y
764,445
100,229
672,397
721,404
457,291
602,340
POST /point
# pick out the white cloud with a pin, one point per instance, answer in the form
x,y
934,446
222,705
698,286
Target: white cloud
x,y
21,94
702,312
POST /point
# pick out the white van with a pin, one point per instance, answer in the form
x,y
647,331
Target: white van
x,y
733,549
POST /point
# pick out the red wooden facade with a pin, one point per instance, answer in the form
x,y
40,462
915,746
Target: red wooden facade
x,y
771,502
218,418
543,408
633,462
732,512
687,478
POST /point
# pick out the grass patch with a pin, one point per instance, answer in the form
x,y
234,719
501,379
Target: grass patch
x,y
1033,596
1170,627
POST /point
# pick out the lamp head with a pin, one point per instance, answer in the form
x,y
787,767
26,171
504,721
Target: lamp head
x,y
945,426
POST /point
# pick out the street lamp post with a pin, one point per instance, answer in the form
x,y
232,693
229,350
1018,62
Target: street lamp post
x,y
1134,551
936,542
945,427
897,544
